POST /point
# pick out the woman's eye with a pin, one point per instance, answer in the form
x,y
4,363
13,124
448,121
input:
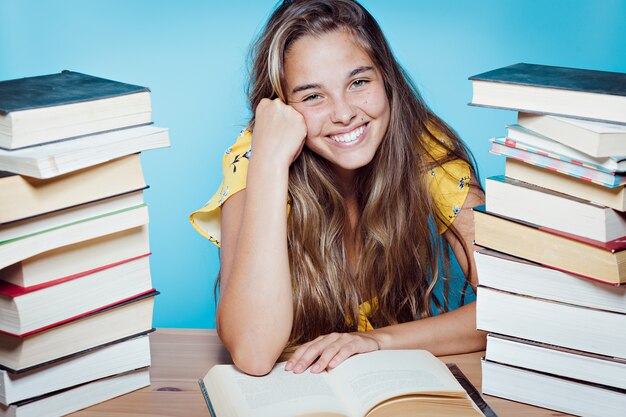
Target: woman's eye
x,y
311,97
359,83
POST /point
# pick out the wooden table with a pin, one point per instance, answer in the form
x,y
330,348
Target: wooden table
x,y
181,356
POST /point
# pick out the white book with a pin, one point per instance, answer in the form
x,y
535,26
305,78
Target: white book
x,y
543,390
131,318
555,323
58,158
82,396
116,358
514,275
597,139
78,259
42,224
26,246
23,311
543,207
558,361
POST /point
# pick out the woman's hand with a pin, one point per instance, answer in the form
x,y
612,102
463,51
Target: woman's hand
x,y
330,350
279,131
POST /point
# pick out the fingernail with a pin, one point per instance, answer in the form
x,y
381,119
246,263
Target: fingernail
x,y
299,368
288,366
315,368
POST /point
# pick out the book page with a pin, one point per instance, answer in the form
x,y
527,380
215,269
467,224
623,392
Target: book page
x,y
278,394
368,379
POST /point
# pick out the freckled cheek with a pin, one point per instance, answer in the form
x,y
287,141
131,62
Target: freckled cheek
x,y
377,105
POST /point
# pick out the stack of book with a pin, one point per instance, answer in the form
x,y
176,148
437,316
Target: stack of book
x,y
554,236
76,296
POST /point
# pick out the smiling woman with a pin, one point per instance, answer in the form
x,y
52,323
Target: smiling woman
x,y
340,203
334,84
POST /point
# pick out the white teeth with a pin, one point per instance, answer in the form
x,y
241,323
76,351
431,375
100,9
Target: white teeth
x,y
349,137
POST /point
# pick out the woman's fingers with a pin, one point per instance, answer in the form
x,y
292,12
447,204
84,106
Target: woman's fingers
x,y
328,351
306,354
279,131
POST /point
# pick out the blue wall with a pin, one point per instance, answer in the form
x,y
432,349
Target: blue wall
x,y
192,55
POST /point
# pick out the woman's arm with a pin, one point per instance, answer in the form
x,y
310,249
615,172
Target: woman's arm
x,y
448,333
255,311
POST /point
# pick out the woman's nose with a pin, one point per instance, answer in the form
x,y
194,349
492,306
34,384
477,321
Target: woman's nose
x,y
343,111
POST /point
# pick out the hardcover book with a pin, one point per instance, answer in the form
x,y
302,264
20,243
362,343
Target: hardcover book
x,y
76,398
53,107
118,357
549,391
566,184
29,245
24,197
80,259
602,261
57,342
575,327
507,273
568,363
381,383
578,93
530,203
27,310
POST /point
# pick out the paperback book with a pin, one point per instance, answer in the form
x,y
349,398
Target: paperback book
x,y
58,158
555,162
597,139
381,383
526,139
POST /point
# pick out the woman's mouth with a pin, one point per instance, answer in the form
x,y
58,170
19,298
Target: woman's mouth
x,y
349,137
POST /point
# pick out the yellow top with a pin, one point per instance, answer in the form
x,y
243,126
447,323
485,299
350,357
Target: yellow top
x,y
449,185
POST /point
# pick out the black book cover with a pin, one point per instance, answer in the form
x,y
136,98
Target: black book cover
x,y
56,89
601,82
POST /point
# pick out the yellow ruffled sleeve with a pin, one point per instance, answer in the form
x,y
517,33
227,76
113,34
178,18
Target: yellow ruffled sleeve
x,y
449,183
234,170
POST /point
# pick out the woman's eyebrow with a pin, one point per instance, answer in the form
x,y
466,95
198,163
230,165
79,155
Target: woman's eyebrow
x,y
305,87
352,73
359,70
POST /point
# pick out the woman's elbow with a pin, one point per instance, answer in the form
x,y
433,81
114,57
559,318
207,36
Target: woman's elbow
x,y
248,356
253,364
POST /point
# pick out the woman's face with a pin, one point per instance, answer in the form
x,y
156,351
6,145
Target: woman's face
x,y
340,92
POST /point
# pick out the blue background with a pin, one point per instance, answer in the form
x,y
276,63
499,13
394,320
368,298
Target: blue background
x,y
192,54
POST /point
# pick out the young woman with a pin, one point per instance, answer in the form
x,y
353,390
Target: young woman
x,y
339,202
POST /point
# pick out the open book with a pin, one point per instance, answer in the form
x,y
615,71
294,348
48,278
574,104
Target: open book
x,y
376,384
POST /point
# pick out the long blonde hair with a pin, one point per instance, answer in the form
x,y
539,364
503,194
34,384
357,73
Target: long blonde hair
x,y
398,261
